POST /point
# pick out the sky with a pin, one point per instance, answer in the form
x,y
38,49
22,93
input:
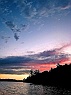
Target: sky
x,y
34,34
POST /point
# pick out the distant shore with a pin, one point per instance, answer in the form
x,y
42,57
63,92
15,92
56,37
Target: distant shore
x,y
10,80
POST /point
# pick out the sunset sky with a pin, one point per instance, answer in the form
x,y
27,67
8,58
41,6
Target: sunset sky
x,y
34,34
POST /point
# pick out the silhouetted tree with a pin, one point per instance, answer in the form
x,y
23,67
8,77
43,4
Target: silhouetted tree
x,y
36,72
58,65
59,76
31,72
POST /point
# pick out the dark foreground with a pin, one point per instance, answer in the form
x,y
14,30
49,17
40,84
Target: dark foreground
x,y
58,77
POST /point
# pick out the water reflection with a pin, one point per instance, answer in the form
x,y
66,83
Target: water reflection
x,y
55,91
17,88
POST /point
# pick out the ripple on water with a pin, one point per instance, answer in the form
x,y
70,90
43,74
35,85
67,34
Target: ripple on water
x,y
20,88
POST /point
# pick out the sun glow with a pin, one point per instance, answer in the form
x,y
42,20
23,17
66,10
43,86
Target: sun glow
x,y
13,76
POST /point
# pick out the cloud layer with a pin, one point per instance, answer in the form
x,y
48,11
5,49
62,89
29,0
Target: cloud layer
x,y
42,61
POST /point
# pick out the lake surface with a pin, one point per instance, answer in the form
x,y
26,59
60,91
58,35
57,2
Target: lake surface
x,y
20,88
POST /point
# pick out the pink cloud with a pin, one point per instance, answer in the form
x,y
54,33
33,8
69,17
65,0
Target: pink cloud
x,y
47,66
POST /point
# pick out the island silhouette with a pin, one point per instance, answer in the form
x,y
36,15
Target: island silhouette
x,y
59,76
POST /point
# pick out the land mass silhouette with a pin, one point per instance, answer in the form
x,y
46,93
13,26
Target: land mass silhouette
x,y
59,77
10,80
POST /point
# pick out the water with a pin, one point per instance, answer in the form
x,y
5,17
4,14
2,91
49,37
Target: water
x,y
19,88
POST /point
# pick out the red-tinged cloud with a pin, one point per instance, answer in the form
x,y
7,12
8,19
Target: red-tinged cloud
x,y
42,61
47,66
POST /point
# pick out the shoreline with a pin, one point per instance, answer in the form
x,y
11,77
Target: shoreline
x,y
10,80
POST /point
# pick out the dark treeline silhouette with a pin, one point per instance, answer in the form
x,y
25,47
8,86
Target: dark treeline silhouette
x,y
59,77
11,80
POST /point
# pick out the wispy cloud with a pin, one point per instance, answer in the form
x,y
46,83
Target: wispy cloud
x,y
31,9
42,8
64,46
14,70
15,29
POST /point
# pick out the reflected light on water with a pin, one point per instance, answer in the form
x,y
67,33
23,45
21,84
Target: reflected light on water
x,y
20,88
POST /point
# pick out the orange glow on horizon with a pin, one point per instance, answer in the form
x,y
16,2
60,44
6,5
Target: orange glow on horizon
x,y
13,76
